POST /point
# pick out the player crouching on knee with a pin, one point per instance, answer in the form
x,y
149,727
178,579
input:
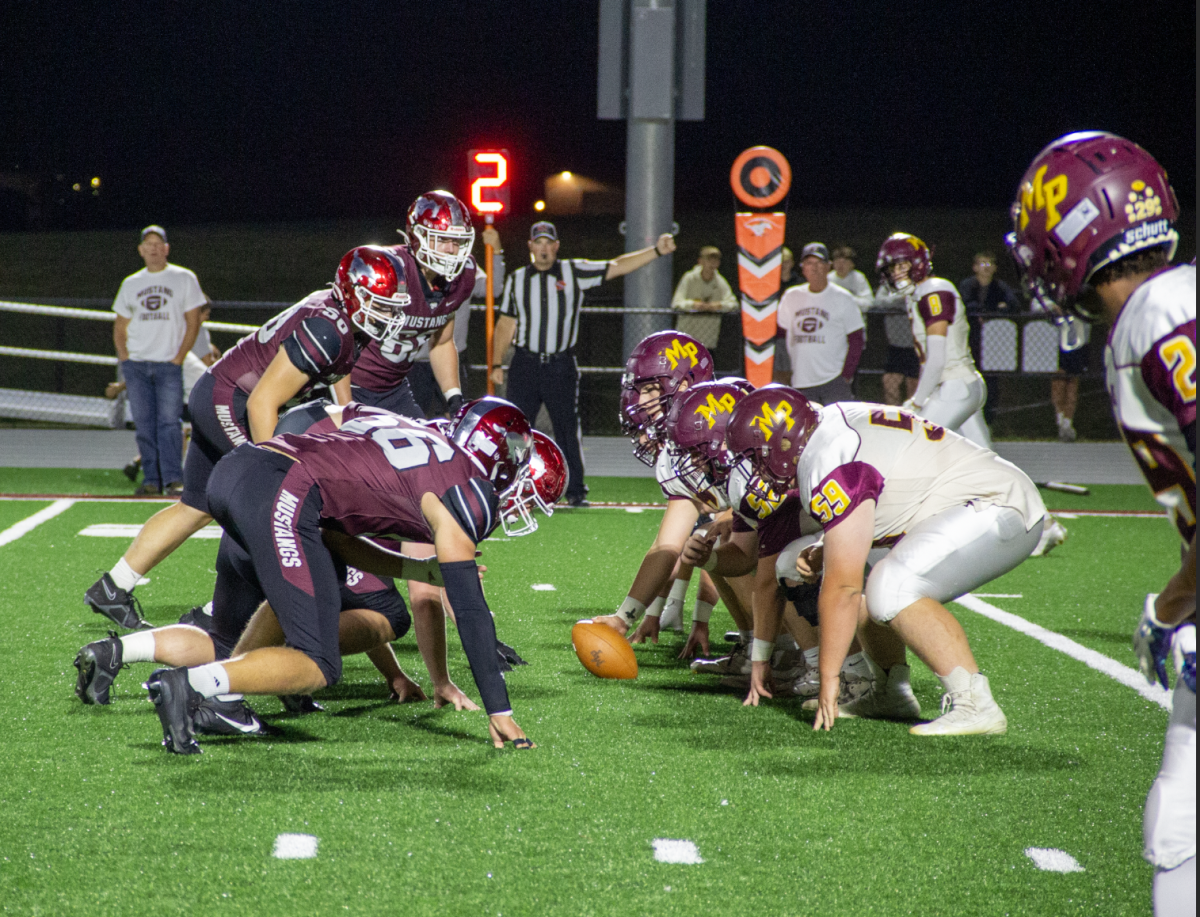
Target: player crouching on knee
x,y
958,515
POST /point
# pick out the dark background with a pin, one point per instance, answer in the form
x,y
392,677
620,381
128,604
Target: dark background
x,y
230,111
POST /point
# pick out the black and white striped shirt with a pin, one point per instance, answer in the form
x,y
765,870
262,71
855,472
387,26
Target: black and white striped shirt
x,y
546,303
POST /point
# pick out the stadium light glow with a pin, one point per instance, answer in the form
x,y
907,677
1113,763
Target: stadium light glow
x,y
567,176
96,182
539,206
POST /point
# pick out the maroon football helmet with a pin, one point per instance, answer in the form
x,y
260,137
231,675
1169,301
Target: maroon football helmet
x,y
540,484
771,426
696,424
901,246
372,286
434,219
1089,199
668,358
498,436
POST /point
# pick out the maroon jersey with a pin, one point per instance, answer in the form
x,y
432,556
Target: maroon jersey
x,y
373,472
317,337
383,366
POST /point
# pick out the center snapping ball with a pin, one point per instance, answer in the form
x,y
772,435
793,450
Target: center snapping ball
x,y
603,651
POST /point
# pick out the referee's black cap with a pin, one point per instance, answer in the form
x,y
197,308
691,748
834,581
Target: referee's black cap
x,y
543,229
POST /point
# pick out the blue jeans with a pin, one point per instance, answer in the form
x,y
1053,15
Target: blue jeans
x,y
156,400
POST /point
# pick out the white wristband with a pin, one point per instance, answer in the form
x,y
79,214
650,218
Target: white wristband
x,y
631,610
701,613
762,650
711,564
655,608
679,589
451,392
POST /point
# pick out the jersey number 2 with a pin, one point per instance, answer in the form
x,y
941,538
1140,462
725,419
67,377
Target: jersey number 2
x,y
1179,357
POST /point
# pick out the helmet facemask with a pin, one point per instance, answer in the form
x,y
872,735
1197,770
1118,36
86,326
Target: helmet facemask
x,y
379,317
448,264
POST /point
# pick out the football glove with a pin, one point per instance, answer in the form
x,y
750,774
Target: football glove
x,y
1183,649
1152,643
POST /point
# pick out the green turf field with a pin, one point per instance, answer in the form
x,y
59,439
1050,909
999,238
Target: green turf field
x,y
415,813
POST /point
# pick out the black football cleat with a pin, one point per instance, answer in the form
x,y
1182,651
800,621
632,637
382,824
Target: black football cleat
x,y
508,656
98,664
176,702
228,718
117,605
132,469
300,704
197,617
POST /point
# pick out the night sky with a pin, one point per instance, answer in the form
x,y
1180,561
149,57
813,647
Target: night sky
x,y
237,111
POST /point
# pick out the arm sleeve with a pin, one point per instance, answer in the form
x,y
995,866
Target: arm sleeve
x,y
477,631
855,341
931,369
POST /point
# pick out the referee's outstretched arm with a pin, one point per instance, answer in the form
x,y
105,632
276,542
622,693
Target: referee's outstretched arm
x,y
631,261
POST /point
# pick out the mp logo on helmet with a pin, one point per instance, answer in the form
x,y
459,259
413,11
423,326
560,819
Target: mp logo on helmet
x,y
678,350
1043,195
714,406
772,419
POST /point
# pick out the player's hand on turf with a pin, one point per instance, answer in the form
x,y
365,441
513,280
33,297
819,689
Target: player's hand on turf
x,y
647,630
827,704
503,728
406,691
697,549
761,684
1152,643
450,694
697,641
616,622
810,562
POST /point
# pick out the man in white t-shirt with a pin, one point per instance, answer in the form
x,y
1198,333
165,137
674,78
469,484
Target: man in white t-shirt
x,y
824,329
158,319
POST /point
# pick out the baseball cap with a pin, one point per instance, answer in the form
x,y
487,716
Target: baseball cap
x,y
815,249
156,229
543,228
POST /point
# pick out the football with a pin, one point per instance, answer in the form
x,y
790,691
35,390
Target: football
x,y
603,651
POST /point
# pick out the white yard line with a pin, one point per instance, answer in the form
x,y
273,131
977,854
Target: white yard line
x,y
1098,661
295,847
27,525
1051,859
684,853
124,530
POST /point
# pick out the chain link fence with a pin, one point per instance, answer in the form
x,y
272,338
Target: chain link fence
x,y
59,361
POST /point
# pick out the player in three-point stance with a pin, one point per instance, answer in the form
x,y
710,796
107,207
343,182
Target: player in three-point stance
x,y
299,506
958,516
1094,233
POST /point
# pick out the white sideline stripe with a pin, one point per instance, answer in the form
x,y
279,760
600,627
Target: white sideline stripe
x,y
28,524
997,595
122,530
1051,859
1098,661
543,587
295,847
673,851
1100,514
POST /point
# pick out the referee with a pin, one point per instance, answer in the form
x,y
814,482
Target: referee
x,y
541,307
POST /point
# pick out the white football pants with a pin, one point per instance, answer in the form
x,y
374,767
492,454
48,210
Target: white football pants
x,y
1169,826
957,404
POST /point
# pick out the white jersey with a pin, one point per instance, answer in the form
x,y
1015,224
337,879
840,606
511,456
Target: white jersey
x,y
936,300
1150,370
155,304
911,468
674,488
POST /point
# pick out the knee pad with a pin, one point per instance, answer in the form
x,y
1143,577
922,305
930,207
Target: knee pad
x,y
804,597
891,588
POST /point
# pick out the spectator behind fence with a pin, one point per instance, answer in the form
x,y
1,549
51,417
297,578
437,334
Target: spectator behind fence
x,y
158,318
788,277
901,368
701,292
425,389
824,331
983,292
852,281
541,310
1073,337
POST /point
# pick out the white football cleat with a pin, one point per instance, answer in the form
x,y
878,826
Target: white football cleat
x,y
853,688
1054,533
1066,430
737,663
672,616
808,685
971,712
889,697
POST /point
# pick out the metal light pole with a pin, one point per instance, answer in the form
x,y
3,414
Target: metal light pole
x,y
651,73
